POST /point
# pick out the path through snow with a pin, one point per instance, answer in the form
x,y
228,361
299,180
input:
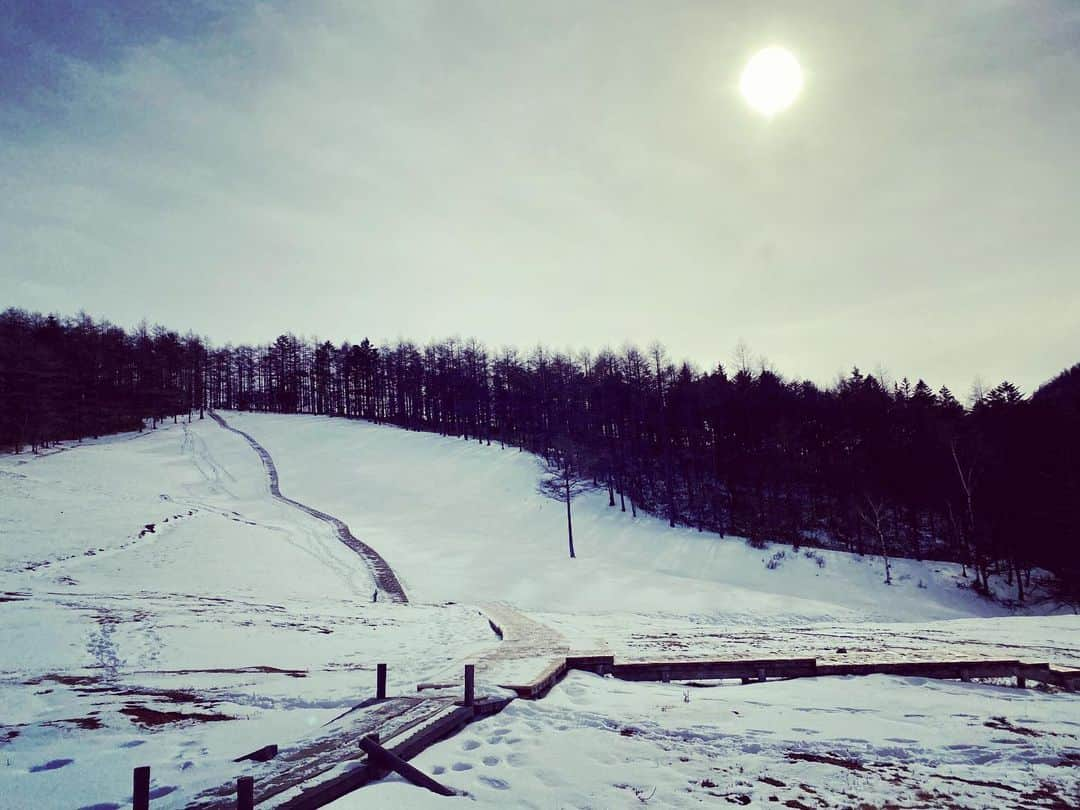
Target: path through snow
x,y
528,648
385,580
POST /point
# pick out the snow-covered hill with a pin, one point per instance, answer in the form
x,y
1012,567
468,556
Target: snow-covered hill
x,y
158,606
460,521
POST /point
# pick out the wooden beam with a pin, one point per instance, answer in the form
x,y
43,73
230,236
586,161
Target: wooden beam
x,y
542,685
599,664
264,754
716,670
140,798
379,755
245,793
380,681
950,670
470,684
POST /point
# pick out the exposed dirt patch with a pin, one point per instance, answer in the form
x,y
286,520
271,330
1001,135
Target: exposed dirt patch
x,y
827,759
150,718
768,780
1049,795
292,673
977,782
1001,724
88,723
66,680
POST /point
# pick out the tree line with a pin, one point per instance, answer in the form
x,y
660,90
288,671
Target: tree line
x,y
896,469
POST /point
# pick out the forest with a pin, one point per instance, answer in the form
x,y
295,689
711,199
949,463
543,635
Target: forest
x,y
864,465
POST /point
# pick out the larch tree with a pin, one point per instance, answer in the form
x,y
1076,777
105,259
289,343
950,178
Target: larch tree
x,y
563,479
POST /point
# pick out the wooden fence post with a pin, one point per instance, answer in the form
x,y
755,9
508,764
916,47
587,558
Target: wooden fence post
x,y
245,793
470,684
141,788
380,681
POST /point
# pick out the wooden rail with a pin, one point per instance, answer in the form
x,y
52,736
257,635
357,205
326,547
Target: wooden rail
x,y
749,670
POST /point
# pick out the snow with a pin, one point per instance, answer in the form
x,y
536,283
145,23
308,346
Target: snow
x,y
458,519
234,604
228,580
596,742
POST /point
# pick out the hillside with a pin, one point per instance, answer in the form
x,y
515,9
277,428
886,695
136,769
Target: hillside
x,y
459,518
159,606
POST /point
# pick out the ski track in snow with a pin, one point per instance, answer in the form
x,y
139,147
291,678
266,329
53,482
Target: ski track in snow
x,y
385,579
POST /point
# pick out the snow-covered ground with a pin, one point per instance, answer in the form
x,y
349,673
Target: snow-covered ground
x,y
461,521
150,586
829,742
236,622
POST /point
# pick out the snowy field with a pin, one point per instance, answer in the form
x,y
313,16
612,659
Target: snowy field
x,y
830,742
158,607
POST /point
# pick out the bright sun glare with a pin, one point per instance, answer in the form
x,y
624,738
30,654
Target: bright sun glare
x,y
771,80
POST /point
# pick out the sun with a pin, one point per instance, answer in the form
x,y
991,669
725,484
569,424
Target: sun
x,y
771,80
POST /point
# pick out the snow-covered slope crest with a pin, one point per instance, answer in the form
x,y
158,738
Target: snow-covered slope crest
x,y
462,521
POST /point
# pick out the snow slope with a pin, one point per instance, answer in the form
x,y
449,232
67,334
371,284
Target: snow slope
x,y
456,519
158,607
234,606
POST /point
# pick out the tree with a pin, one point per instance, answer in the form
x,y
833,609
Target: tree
x,y
750,454
563,480
872,513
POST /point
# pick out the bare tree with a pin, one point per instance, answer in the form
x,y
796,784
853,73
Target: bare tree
x,y
967,485
563,480
873,515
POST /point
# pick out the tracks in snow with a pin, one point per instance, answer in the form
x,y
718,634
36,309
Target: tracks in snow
x,y
385,579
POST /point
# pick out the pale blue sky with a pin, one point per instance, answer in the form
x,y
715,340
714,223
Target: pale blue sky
x,y
577,173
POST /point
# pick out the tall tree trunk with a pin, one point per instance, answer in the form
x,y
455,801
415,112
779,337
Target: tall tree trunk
x,y
569,521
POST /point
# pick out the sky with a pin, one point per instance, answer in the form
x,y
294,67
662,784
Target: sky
x,y
579,174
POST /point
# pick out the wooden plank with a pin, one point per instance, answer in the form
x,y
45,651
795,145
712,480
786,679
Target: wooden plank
x,y
715,670
309,759
404,745
447,723
542,685
264,754
949,670
376,753
598,664
1063,677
